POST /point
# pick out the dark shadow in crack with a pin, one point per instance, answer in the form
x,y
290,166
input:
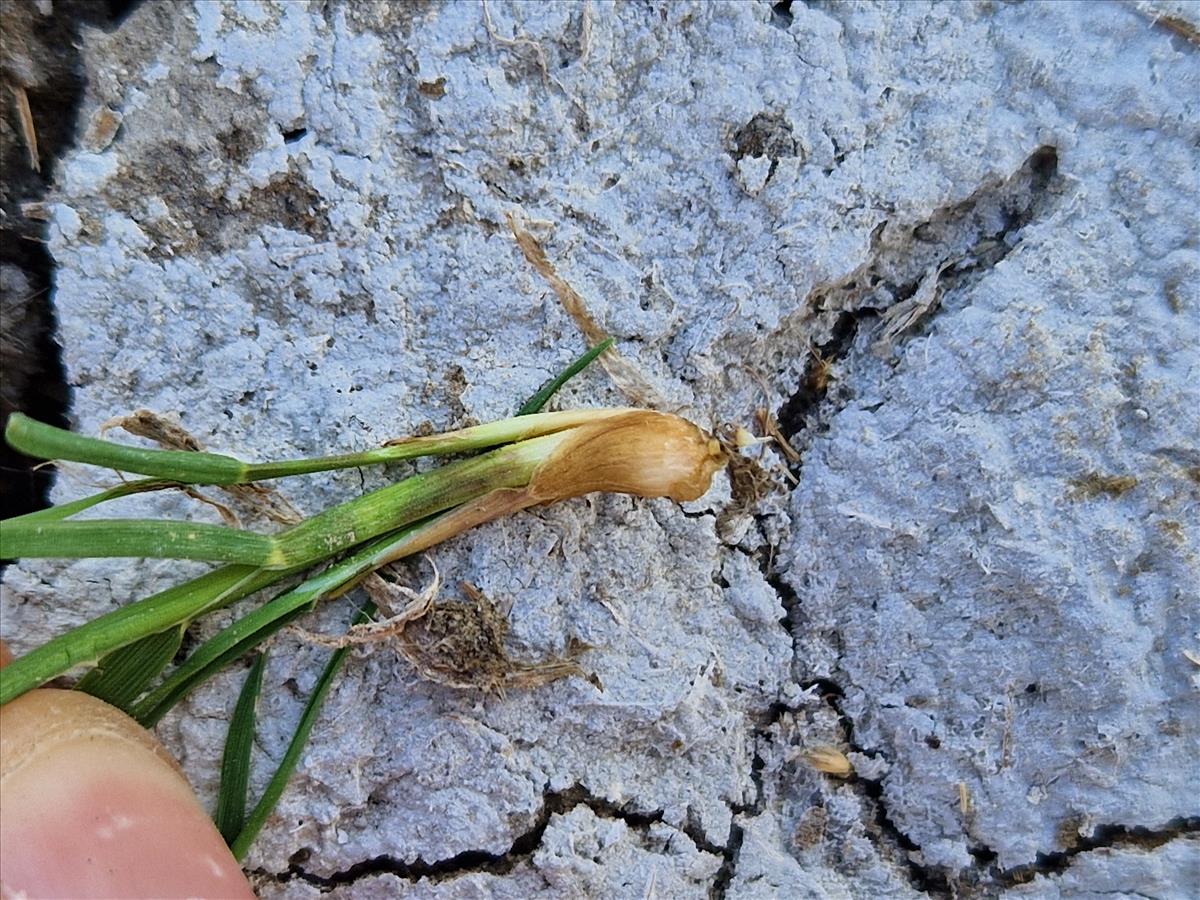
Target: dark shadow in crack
x,y
959,242
522,848
1103,837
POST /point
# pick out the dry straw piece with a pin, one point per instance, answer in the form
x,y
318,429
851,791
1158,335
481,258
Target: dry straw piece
x,y
829,760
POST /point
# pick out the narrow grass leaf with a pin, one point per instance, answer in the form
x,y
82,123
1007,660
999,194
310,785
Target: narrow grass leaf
x,y
291,757
223,649
535,403
147,538
37,439
93,640
66,510
230,816
124,675
252,629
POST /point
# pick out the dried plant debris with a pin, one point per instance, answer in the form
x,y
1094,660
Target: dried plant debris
x,y
1094,484
829,760
258,499
459,644
1174,23
152,426
749,480
898,319
388,597
102,128
462,645
770,429
625,376
28,130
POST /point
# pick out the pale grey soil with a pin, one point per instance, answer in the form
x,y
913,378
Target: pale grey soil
x,y
951,248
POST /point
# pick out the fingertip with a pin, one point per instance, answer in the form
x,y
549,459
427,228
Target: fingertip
x,y
91,805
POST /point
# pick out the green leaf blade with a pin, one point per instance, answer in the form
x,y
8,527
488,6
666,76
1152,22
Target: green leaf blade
x,y
291,757
148,538
123,675
66,510
243,635
42,441
211,657
230,816
95,639
542,397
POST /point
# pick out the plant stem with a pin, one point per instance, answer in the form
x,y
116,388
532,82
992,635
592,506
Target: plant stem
x,y
44,441
313,540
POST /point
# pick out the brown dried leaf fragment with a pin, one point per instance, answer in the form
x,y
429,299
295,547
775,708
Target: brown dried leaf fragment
x,y
267,502
625,376
262,500
152,426
228,516
770,428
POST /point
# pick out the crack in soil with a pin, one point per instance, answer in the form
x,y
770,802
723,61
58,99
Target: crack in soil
x,y
1103,837
470,861
931,880
984,878
963,242
732,851
960,242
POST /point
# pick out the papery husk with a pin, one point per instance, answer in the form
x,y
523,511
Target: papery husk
x,y
643,453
